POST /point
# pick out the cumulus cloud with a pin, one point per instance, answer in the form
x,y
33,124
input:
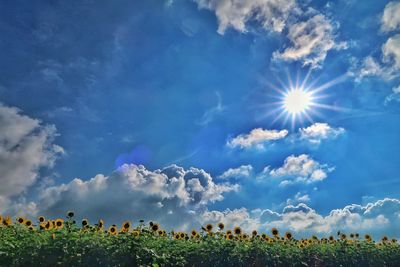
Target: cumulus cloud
x,y
390,19
171,195
256,138
391,52
242,171
311,40
271,14
317,132
299,169
378,218
26,146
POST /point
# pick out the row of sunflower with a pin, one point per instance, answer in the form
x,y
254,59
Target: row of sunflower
x,y
149,242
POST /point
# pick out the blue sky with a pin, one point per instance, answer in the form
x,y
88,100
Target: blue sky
x,y
94,88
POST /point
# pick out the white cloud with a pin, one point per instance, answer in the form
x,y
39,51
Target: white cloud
x,y
395,96
271,14
171,195
299,169
26,146
257,137
390,19
311,40
379,218
391,52
320,131
298,198
242,171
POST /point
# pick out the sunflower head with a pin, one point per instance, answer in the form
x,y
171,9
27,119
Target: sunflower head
x,y
59,223
368,237
28,223
177,236
155,227
351,235
135,233
229,236
182,235
288,235
113,230
21,220
70,214
85,222
385,239
41,219
7,221
254,233
126,225
229,232
194,232
31,228
209,227
100,224
48,225
275,232
237,230
221,226
331,238
343,236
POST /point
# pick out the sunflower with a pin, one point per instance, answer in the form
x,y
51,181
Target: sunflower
x,y
112,230
85,222
177,236
135,233
100,224
151,223
28,223
126,225
31,228
368,237
229,236
42,226
41,219
59,223
70,214
48,225
155,227
331,238
385,239
343,236
182,235
357,235
288,235
221,226
263,236
7,221
21,220
254,233
194,232
237,230
209,227
229,232
275,232
351,235
394,240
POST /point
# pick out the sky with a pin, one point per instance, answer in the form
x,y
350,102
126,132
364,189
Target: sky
x,y
181,112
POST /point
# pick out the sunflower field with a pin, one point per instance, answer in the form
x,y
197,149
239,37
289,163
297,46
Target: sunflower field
x,y
65,242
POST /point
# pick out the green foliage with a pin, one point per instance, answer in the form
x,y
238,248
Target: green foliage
x,y
91,245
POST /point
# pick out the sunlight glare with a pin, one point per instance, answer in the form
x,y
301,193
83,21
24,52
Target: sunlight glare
x,y
297,101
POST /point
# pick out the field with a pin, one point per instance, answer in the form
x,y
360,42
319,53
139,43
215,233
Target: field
x,y
68,243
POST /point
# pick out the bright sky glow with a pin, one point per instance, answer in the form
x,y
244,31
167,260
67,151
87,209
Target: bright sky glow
x,y
297,101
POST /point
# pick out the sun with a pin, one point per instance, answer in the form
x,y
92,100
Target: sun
x,y
297,101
